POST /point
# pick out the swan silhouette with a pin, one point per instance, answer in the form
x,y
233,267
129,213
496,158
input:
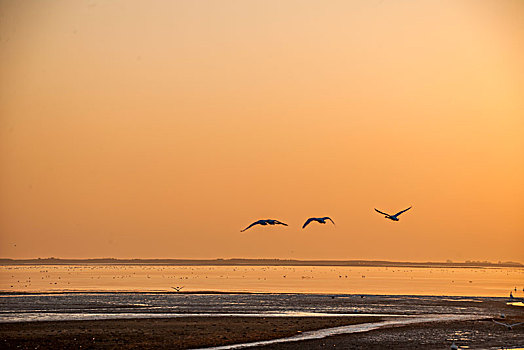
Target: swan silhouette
x,y
264,223
392,217
319,220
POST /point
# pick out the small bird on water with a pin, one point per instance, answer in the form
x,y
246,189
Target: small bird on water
x,y
264,223
319,220
392,217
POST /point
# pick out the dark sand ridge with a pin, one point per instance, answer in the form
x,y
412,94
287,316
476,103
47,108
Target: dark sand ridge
x,y
170,333
472,334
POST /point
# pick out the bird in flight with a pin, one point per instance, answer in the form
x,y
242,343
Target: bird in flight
x,y
319,220
264,223
392,217
177,288
508,326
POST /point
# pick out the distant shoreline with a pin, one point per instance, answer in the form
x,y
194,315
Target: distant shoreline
x,y
257,262
4,293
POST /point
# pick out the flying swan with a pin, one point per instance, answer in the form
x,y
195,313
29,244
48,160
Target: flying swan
x,y
392,217
319,220
264,222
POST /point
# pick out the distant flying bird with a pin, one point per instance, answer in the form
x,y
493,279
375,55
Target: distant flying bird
x,y
177,288
319,220
264,223
392,217
508,326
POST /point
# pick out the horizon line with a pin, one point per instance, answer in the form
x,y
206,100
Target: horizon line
x,y
259,261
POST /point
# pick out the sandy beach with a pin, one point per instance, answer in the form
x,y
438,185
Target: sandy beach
x,y
190,321
172,333
201,332
481,334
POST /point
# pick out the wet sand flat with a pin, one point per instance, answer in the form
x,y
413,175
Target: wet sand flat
x,y
170,333
201,332
480,334
408,322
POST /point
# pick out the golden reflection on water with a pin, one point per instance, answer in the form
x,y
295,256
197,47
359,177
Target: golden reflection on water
x,y
516,303
264,279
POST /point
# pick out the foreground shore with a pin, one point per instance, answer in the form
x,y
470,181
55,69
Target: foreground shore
x,y
169,333
199,332
480,334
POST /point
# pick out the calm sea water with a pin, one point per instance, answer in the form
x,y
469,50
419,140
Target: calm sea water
x,y
489,282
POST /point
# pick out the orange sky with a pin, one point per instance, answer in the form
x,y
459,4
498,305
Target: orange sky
x,y
160,129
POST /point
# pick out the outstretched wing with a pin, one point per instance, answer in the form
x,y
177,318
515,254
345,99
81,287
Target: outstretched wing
x,y
381,212
253,224
515,324
502,324
328,218
307,222
280,223
400,212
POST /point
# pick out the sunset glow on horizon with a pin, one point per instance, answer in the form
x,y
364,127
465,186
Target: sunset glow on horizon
x,y
136,129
